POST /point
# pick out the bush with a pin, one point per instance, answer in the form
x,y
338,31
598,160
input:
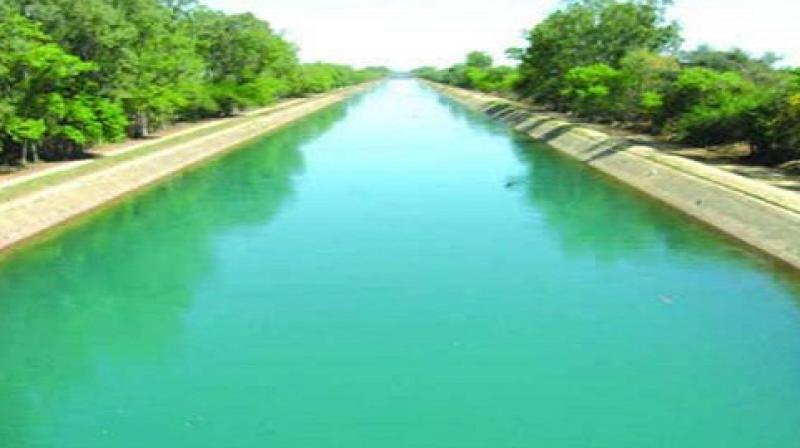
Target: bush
x,y
706,107
726,122
592,91
777,135
614,60
475,73
647,76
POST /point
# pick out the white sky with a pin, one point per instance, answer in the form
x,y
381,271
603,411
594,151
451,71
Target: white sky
x,y
404,34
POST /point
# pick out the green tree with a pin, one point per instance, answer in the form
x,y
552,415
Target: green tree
x,y
77,73
161,66
247,64
647,77
27,133
777,135
592,91
759,70
706,107
429,73
588,32
479,59
43,89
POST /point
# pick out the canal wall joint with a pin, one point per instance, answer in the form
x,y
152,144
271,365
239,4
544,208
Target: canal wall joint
x,y
764,216
30,215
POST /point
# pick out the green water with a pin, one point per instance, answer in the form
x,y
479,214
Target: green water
x,y
366,278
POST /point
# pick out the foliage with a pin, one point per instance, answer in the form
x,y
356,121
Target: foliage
x,y
617,61
706,107
777,127
74,74
247,64
592,90
479,59
43,90
647,78
588,32
320,77
476,73
758,70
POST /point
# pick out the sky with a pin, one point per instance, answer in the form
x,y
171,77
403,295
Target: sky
x,y
405,34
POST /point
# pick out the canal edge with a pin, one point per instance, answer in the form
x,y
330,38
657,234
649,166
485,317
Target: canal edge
x,y
762,216
25,218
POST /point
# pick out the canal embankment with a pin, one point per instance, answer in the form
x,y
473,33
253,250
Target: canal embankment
x,y
45,200
761,215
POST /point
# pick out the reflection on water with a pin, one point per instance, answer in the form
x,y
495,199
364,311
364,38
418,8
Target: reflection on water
x,y
115,287
409,274
592,215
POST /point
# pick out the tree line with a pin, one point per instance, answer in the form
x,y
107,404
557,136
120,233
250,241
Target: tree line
x,y
74,74
621,62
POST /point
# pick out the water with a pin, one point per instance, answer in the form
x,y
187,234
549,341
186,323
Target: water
x,y
365,278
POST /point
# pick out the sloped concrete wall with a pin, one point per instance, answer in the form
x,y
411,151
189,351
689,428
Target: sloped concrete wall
x,y
761,215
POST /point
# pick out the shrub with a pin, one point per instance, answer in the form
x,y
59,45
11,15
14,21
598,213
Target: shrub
x,y
592,91
647,76
707,107
777,135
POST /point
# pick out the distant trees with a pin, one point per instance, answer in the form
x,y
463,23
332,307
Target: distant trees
x,y
476,72
619,61
320,77
77,73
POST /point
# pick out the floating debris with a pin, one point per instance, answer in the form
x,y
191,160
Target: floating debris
x,y
513,182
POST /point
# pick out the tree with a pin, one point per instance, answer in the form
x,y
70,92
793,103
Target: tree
x,y
590,32
160,68
246,62
707,107
758,70
592,90
777,134
647,77
476,72
479,59
26,132
76,73
42,86
430,73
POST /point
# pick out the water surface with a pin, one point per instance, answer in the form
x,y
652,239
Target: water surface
x,y
395,271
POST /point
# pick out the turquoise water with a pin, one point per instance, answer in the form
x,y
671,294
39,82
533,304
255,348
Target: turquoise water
x,y
395,271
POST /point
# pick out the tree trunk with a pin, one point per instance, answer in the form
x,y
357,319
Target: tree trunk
x,y
24,158
35,152
140,125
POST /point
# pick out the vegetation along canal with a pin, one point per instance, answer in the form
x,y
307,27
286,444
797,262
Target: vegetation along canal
x,y
395,271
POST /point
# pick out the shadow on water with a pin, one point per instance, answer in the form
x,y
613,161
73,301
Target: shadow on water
x,y
113,287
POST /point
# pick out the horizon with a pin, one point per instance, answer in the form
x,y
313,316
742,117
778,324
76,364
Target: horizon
x,y
409,34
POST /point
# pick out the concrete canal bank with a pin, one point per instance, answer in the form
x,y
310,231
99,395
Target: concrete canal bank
x,y
43,208
391,270
761,215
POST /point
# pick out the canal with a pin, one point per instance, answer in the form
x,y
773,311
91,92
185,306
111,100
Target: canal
x,y
395,271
